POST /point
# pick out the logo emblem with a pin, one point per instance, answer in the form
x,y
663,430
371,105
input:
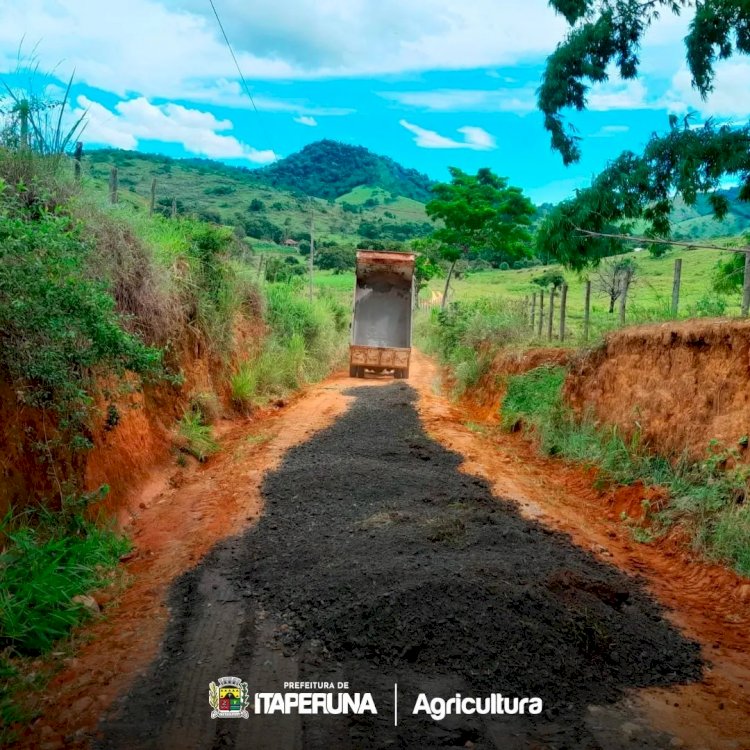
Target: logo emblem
x,y
229,699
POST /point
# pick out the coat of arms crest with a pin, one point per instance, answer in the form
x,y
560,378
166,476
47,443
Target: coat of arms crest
x,y
229,699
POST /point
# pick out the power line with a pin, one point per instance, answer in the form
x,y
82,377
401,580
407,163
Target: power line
x,y
237,65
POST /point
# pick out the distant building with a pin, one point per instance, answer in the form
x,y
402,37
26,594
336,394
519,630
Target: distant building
x,y
291,243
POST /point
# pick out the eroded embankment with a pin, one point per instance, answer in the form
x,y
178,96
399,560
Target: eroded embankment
x,y
680,385
131,430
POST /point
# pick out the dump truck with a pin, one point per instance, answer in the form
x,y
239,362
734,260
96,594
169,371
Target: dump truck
x,y
382,313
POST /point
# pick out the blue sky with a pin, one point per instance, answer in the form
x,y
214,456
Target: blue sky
x,y
431,83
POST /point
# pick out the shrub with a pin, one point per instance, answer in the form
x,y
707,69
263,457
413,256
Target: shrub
x,y
244,384
504,266
43,567
197,436
56,325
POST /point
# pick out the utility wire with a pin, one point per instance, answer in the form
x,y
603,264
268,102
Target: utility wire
x,y
237,65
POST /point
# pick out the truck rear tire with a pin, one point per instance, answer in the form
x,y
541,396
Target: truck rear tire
x,y
353,371
402,374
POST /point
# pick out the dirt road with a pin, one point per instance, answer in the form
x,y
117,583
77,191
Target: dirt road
x,y
367,551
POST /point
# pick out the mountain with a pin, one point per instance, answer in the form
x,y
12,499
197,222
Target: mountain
x,y
329,169
698,223
239,197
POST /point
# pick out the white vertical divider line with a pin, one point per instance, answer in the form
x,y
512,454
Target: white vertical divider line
x,y
395,704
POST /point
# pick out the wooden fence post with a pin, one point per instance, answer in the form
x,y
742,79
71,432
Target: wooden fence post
x,y
113,185
623,301
551,315
152,201
533,310
77,154
676,286
587,310
563,305
541,313
746,286
260,266
174,208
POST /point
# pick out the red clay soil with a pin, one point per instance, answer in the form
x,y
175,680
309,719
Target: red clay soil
x,y
488,393
123,454
678,384
175,519
708,602
180,514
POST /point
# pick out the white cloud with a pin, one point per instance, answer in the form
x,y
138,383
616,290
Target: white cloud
x,y
475,139
730,97
617,94
519,100
173,48
311,122
138,119
610,131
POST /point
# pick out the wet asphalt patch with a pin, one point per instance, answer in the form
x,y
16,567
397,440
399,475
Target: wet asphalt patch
x,y
377,561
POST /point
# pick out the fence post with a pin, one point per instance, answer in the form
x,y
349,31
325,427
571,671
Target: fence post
x,y
587,310
533,310
77,154
563,305
551,316
541,313
174,208
113,185
623,300
676,286
152,201
746,285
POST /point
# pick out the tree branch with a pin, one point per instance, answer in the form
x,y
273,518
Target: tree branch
x,y
656,241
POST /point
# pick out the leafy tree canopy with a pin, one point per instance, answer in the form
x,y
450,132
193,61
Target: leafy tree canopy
x,y
606,32
686,161
481,211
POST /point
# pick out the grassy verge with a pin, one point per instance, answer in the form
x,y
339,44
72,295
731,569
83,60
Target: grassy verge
x,y
306,339
47,564
466,336
705,498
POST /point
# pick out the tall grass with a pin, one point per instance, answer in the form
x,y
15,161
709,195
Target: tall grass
x,y
466,336
706,498
307,338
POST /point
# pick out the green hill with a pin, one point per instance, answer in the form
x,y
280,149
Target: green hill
x,y
239,197
697,222
329,169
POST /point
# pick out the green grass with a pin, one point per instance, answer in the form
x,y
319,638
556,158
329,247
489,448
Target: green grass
x,y
704,497
42,570
198,436
46,561
244,384
648,300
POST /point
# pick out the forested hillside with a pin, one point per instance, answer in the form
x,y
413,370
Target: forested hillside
x,y
329,169
237,197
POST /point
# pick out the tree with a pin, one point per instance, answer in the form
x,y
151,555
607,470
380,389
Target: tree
x,y
614,277
337,259
549,279
606,32
687,161
426,263
478,212
256,205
